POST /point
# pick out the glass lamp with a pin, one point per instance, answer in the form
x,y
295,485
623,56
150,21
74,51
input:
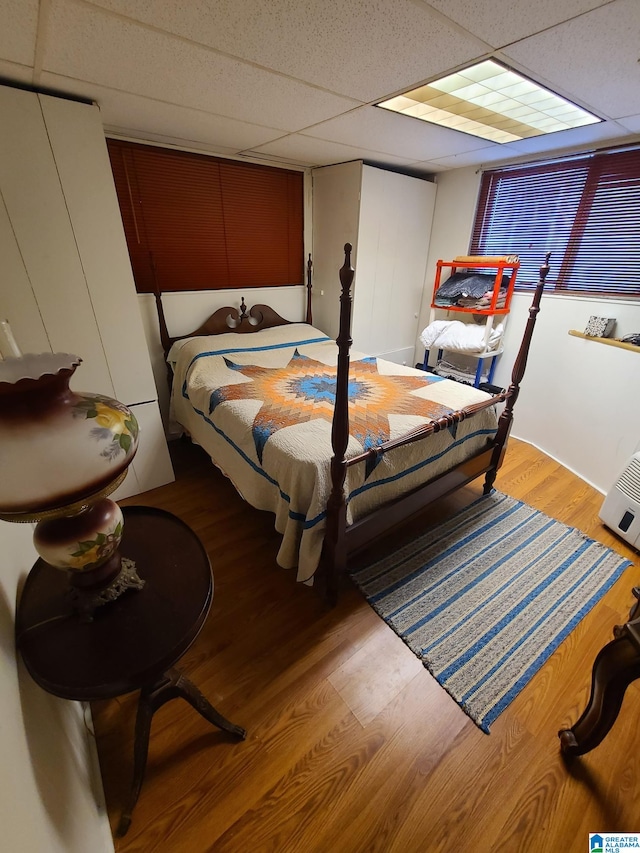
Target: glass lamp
x,y
61,454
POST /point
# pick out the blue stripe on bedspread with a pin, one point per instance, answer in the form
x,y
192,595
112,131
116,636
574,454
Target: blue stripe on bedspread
x,y
231,350
383,482
263,348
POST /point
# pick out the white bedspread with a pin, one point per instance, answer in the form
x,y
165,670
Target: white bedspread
x,y
269,430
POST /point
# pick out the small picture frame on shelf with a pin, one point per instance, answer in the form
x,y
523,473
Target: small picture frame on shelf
x,y
600,327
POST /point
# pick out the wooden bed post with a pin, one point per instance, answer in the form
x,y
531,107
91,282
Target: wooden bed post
x,y
506,418
309,318
335,547
162,323
164,332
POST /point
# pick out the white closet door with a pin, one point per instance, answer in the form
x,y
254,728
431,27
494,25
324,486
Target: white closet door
x,y
151,466
336,206
66,281
17,302
393,240
37,210
152,462
80,152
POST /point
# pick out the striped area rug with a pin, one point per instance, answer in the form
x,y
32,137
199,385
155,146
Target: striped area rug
x,y
484,598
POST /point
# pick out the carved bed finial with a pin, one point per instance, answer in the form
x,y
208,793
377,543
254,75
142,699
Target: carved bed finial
x,y
234,318
309,316
544,269
347,271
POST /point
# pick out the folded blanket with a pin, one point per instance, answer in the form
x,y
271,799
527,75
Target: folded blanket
x,y
470,284
452,371
484,302
462,337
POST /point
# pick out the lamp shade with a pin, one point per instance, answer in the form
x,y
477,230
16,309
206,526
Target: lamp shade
x,y
59,450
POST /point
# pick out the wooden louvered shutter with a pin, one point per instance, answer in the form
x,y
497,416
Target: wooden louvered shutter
x,y
194,222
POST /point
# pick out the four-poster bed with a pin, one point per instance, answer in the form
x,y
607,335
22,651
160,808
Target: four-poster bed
x,y
341,447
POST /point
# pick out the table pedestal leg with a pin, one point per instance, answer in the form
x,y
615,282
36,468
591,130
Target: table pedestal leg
x,y
172,685
615,667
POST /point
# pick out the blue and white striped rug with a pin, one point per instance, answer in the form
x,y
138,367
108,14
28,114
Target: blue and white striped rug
x,y
484,598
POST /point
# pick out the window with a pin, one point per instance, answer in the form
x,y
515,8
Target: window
x,y
195,222
585,211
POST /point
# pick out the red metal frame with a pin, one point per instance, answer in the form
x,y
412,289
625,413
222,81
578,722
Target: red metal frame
x,y
479,263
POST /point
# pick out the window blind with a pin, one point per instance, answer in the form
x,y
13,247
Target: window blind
x,y
585,211
194,222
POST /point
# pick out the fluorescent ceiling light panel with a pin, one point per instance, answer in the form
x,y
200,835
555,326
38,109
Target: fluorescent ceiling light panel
x,y
490,101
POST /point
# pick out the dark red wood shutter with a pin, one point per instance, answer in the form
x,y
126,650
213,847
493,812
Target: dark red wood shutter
x,y
195,222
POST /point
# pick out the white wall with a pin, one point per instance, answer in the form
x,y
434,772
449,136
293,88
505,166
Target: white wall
x,y
579,401
51,797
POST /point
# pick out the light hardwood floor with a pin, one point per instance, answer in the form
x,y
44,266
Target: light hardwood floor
x,y
352,745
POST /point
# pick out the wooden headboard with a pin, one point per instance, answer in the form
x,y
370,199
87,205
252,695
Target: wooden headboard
x,y
230,319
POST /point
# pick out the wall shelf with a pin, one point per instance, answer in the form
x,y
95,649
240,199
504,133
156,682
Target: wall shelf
x,y
611,342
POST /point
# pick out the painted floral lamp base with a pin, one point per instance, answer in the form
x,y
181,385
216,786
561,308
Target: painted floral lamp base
x,y
85,544
62,453
86,598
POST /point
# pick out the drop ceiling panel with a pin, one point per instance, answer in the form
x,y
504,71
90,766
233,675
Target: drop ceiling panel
x,y
18,27
10,71
380,130
137,115
308,151
483,156
365,48
500,22
631,123
292,81
91,45
607,39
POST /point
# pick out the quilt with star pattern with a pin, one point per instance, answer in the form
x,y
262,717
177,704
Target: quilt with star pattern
x,y
261,405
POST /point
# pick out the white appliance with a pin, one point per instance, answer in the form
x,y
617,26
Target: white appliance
x,y
621,508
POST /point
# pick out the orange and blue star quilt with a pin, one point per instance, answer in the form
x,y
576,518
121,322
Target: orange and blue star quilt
x,y
305,389
262,404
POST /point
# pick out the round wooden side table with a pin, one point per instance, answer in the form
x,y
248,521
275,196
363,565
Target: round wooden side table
x,y
133,642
